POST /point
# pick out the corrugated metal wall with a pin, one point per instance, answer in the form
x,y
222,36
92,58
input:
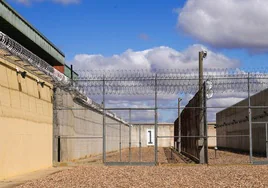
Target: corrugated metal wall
x,y
190,126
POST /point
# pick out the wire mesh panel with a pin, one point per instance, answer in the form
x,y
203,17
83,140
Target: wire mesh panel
x,y
143,142
169,82
135,141
260,129
117,142
233,135
260,143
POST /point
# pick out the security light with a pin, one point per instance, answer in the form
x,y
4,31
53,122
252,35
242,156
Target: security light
x,y
205,54
209,84
209,94
41,83
22,73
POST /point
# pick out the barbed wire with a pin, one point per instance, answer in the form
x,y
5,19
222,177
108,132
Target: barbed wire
x,y
142,74
27,56
143,82
185,81
58,79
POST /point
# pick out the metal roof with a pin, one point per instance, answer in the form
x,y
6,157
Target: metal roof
x,y
16,25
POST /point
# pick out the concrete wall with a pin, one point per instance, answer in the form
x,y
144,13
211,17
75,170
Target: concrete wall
x,y
164,129
212,141
79,126
234,121
25,122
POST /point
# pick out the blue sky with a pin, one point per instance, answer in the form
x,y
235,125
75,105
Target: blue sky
x,y
106,27
111,27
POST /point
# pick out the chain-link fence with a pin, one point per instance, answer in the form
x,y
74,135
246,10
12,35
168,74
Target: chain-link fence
x,y
83,126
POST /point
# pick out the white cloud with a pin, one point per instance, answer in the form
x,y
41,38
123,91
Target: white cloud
x,y
155,58
64,2
151,59
224,100
227,23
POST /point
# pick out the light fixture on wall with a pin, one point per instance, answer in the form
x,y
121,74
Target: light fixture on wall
x,y
42,84
22,73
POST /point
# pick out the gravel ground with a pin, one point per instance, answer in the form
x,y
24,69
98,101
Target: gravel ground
x,y
160,176
227,157
147,155
164,156
165,175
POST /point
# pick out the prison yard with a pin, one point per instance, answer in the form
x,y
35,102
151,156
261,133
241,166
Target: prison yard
x,y
226,169
64,127
172,171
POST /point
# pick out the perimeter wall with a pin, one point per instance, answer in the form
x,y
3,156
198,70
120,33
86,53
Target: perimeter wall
x,y
234,121
26,120
81,127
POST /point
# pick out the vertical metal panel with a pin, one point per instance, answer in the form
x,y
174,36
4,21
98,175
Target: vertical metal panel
x,y
266,139
190,126
179,125
176,133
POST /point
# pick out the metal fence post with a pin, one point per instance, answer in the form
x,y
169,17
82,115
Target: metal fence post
x,y
266,139
201,102
250,122
155,124
205,123
104,123
120,142
129,157
140,143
